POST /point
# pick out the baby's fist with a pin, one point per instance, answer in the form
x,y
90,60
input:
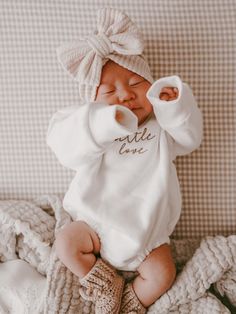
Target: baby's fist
x,y
119,116
169,93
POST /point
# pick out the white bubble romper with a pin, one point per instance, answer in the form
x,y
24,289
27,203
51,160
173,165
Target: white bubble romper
x,y
126,186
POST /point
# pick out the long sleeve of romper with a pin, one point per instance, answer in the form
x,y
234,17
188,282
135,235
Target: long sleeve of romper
x,y
80,134
180,118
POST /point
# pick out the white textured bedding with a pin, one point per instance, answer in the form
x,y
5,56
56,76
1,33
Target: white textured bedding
x,y
33,280
194,39
22,288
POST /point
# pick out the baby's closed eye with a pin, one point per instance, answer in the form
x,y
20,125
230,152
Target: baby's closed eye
x,y
136,82
106,89
109,91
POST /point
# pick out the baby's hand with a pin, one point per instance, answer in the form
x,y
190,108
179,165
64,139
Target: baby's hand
x,y
169,93
119,116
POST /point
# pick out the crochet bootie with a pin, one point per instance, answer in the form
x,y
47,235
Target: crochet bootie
x,y
130,302
103,286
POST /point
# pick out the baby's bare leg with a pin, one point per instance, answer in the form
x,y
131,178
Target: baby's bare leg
x,y
156,275
76,246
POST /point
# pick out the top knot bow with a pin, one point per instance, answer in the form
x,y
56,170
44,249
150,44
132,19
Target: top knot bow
x,y
116,34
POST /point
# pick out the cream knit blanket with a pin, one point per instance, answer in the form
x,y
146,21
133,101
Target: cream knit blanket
x,y
27,232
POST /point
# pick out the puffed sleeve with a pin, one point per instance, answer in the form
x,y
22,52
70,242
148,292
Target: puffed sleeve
x,y
81,134
180,118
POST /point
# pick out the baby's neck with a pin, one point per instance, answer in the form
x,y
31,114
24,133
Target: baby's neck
x,y
145,119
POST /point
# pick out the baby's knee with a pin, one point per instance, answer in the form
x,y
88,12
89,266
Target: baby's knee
x,y
75,239
159,268
64,243
164,273
162,279
167,276
67,241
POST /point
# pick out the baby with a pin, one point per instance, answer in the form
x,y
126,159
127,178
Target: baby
x,y
121,141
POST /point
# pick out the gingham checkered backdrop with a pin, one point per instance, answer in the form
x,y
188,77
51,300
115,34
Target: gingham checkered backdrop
x,y
195,39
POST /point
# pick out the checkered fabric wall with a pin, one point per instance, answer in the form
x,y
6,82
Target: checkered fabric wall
x,y
195,39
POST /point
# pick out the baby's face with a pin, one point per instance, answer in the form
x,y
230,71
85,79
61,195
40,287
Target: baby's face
x,y
122,87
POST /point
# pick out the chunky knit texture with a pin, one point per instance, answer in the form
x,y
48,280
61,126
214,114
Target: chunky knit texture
x,y
103,286
116,38
130,302
27,232
214,257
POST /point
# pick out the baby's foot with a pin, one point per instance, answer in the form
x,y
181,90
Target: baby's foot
x,y
103,286
130,302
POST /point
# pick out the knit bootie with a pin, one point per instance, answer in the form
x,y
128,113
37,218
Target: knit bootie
x,y
130,303
103,286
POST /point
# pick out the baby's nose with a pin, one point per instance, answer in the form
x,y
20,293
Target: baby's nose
x,y
126,95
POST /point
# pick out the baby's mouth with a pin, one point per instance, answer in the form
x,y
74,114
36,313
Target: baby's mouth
x,y
133,106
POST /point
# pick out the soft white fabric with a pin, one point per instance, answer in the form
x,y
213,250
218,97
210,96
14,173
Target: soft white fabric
x,y
213,262
126,185
22,288
116,38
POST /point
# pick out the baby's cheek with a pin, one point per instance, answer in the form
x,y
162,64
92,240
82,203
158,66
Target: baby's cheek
x,y
102,98
147,105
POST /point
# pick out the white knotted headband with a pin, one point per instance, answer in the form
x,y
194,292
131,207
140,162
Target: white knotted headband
x,y
116,38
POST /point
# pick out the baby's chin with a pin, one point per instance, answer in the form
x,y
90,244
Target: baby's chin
x,y
141,115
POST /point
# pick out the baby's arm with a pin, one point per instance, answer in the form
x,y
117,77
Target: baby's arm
x,y
80,134
180,118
